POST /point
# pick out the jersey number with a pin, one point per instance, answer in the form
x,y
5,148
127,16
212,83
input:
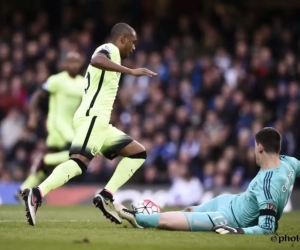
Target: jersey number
x,y
88,76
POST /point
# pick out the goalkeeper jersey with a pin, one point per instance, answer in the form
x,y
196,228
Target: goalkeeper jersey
x,y
260,207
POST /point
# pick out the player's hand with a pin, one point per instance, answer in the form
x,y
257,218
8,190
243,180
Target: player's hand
x,y
228,230
142,72
32,121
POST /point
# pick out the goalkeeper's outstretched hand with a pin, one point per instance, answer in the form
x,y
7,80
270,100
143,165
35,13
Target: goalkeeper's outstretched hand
x,y
228,230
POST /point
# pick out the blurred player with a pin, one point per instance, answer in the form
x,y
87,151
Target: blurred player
x,y
64,91
93,133
256,211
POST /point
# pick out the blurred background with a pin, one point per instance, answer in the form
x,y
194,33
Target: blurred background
x,y
225,70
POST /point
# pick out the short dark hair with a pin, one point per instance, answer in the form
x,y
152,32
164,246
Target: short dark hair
x,y
270,139
120,29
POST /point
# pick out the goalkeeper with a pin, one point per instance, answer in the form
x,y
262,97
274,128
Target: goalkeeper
x,y
255,211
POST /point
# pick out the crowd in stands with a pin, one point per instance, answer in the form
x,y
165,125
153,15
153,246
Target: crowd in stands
x,y
221,78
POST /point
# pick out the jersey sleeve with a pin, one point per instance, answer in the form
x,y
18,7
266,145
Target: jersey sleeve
x,y
295,163
51,85
106,50
267,200
110,51
298,169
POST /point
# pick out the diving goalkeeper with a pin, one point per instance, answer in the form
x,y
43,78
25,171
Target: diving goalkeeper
x,y
255,211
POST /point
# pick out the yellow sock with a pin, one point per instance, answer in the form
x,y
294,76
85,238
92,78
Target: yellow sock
x,y
33,180
125,169
53,159
60,175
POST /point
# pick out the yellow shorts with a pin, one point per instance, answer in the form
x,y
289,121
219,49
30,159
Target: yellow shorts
x,y
93,136
55,142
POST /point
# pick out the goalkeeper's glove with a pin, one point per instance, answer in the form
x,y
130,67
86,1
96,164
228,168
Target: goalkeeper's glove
x,y
227,230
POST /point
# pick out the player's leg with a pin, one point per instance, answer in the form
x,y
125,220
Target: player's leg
x,y
181,221
54,159
37,173
178,221
212,205
89,133
118,143
168,220
39,169
44,164
134,155
89,137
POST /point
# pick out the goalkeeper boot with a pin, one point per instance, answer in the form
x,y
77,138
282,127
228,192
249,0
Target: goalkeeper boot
x,y
128,215
33,201
104,202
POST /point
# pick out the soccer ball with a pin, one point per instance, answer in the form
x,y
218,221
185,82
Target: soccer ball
x,y
146,207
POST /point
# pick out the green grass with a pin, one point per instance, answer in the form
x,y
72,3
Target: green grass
x,y
85,228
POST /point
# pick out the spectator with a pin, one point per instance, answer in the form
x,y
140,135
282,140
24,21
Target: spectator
x,y
219,81
185,190
208,175
11,129
190,145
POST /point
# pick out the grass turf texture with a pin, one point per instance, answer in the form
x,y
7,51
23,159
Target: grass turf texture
x,y
85,228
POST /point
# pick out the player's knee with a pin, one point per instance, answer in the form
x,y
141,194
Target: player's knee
x,y
188,209
81,161
141,155
142,148
164,222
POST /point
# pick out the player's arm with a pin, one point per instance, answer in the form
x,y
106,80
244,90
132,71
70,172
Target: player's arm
x,y
266,225
35,100
51,86
101,61
266,222
266,198
267,205
34,104
298,169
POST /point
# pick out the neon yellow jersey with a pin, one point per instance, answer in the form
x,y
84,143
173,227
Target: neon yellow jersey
x,y
65,97
100,87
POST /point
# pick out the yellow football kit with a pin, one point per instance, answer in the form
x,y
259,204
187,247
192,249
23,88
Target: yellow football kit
x,y
65,95
93,133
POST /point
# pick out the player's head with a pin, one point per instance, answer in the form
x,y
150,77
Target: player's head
x,y
267,141
73,63
124,37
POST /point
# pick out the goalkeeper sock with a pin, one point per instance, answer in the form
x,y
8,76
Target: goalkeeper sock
x,y
53,159
60,175
147,220
123,173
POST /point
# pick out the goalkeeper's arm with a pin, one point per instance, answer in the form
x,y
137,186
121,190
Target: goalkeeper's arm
x,y
266,225
267,213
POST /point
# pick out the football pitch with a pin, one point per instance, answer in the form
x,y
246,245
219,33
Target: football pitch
x,y
85,228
